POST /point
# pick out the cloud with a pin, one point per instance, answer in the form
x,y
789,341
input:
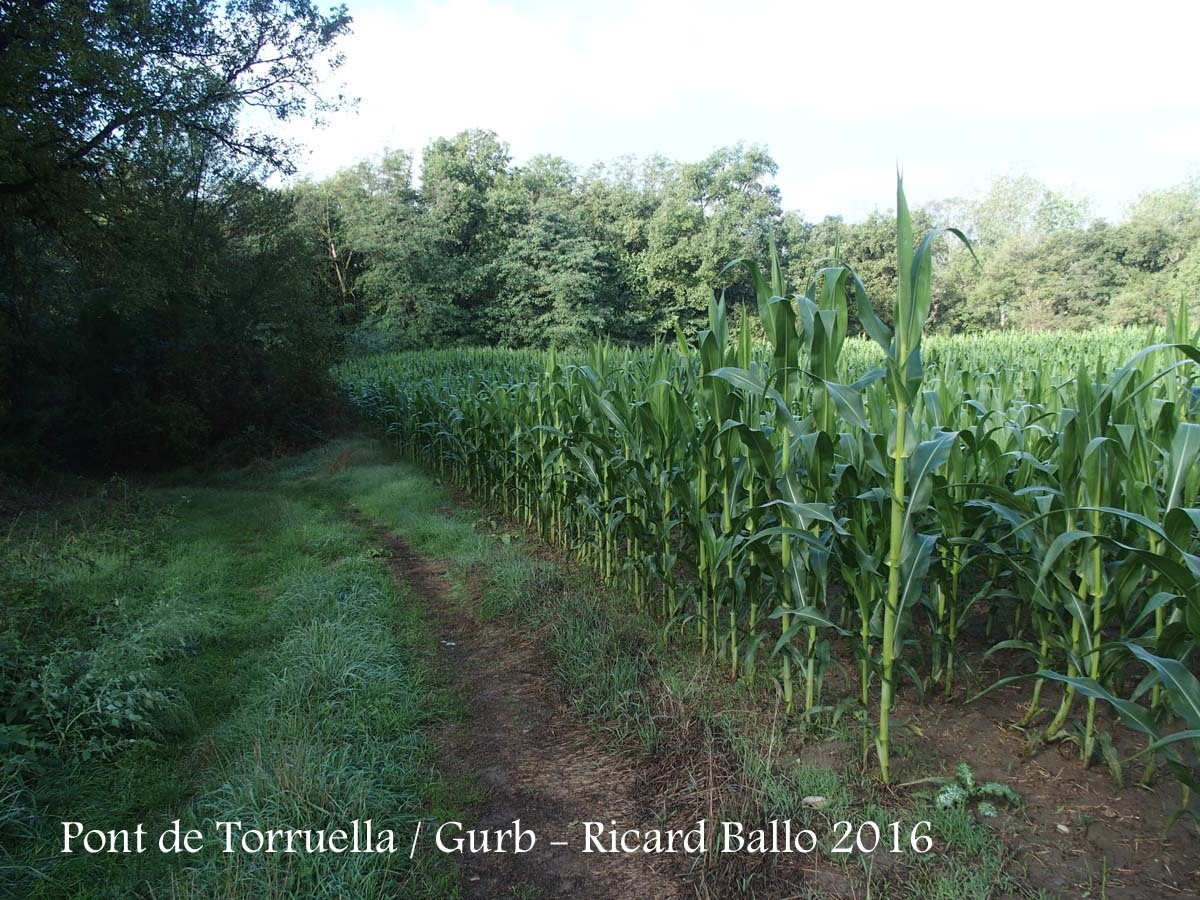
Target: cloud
x,y
839,91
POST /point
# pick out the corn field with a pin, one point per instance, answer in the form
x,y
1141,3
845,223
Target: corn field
x,y
788,498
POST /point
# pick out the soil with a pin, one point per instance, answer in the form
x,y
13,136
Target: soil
x,y
1120,840
1078,829
534,762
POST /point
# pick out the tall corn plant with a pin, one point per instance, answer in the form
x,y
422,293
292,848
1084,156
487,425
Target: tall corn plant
x,y
913,462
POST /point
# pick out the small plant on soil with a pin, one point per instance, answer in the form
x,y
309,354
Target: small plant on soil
x,y
963,790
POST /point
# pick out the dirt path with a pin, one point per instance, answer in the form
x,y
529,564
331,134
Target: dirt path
x,y
534,762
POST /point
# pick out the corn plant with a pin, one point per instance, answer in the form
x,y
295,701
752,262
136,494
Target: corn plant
x,y
913,461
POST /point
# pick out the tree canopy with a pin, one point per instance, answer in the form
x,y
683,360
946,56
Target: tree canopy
x,y
479,250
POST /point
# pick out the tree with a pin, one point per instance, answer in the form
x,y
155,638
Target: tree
x,y
365,222
620,201
995,285
86,81
157,298
462,232
556,279
487,252
711,212
1017,205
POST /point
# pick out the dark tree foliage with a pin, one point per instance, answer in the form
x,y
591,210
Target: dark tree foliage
x,y
84,81
155,298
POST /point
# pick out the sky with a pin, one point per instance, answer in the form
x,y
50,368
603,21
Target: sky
x,y
1095,99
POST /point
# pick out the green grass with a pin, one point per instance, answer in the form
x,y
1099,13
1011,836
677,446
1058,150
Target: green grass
x,y
279,676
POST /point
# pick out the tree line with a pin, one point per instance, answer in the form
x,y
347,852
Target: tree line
x,y
482,251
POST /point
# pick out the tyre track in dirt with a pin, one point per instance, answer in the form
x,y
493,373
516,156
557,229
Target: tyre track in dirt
x,y
533,761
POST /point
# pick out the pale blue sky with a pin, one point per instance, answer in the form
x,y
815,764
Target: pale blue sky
x,y
1095,99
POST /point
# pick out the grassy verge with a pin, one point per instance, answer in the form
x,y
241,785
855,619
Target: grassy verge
x,y
232,649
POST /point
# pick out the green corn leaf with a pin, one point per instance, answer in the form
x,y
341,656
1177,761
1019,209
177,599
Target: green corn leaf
x,y
875,329
1131,714
1185,449
914,566
848,401
800,618
1188,735
1183,688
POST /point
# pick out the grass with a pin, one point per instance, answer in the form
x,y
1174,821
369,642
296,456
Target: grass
x,y
290,679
